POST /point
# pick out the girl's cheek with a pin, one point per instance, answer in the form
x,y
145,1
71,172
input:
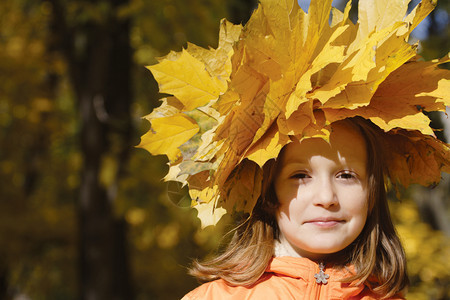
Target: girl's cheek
x,y
286,195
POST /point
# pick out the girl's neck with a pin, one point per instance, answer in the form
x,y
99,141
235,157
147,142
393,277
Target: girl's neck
x,y
283,248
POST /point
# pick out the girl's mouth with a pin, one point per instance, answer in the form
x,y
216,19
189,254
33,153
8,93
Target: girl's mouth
x,y
325,222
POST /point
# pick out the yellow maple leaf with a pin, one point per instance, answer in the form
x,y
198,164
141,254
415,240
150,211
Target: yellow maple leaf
x,y
268,146
417,121
380,14
217,62
419,13
193,89
243,188
174,174
167,134
338,17
297,122
226,102
169,107
413,159
209,214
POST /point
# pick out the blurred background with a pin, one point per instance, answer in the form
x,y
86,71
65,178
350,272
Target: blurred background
x,y
84,214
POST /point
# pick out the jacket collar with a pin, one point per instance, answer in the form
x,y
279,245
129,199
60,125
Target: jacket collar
x,y
304,268
300,267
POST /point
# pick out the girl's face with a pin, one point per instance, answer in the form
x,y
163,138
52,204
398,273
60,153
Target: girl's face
x,y
322,192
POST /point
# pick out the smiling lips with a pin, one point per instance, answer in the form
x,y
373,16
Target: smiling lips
x,y
325,222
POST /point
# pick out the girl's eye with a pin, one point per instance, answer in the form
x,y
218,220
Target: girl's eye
x,y
346,175
300,176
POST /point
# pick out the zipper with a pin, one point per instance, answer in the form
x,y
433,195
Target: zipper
x,y
321,279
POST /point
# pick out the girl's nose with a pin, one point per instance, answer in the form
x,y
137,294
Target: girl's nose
x,y
325,194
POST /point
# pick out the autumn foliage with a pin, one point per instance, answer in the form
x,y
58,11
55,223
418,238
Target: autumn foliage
x,y
288,75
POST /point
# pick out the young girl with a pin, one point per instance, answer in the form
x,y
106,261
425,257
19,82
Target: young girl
x,y
301,120
320,230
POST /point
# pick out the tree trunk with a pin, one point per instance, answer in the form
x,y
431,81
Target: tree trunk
x,y
104,108
100,73
3,281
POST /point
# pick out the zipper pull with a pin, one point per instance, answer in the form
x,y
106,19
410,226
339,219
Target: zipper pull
x,y
321,277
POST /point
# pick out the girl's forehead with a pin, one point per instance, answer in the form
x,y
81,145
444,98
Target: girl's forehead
x,y
346,146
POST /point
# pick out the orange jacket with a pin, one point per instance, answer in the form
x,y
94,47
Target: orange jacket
x,y
286,278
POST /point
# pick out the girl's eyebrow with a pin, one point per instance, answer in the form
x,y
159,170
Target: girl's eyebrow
x,y
352,164
293,158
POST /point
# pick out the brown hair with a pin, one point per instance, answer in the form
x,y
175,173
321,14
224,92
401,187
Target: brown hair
x,y
377,253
